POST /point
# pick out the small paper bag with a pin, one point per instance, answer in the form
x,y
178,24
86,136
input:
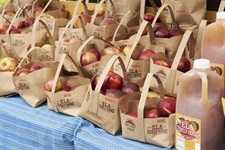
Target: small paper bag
x,y
158,131
69,99
102,110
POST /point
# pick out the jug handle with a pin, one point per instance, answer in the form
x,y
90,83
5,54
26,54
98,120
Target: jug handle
x,y
204,89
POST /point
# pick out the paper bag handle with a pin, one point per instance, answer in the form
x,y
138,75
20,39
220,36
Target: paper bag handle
x,y
97,7
143,25
121,23
77,6
181,49
202,26
221,6
174,23
107,69
85,43
64,31
143,98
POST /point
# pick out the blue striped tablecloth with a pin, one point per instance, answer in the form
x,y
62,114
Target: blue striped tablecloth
x,y
25,128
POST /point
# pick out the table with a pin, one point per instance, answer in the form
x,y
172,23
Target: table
x,y
26,128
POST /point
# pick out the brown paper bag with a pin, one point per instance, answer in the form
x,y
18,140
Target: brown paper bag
x,y
170,76
97,67
157,131
171,44
31,86
101,110
132,26
188,14
7,86
104,32
21,41
67,101
122,7
70,41
52,22
138,69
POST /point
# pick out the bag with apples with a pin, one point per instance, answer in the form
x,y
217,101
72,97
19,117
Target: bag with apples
x,y
30,77
187,14
35,69
19,33
93,55
105,93
170,70
70,41
137,58
121,39
8,63
65,94
165,35
105,29
150,119
53,23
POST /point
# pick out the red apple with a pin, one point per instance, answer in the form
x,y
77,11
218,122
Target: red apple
x,y
153,113
161,63
114,93
96,52
29,21
75,40
65,40
35,67
8,64
166,106
38,9
66,87
22,72
107,21
18,24
3,27
149,17
88,58
112,81
135,54
133,114
176,32
184,65
161,32
14,31
49,83
130,87
111,50
86,19
146,54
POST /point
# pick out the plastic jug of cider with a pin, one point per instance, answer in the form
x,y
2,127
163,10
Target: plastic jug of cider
x,y
213,44
199,111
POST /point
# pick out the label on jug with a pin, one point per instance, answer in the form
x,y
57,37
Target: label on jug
x,y
188,133
219,69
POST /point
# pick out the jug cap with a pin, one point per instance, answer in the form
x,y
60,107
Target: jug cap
x,y
220,15
201,64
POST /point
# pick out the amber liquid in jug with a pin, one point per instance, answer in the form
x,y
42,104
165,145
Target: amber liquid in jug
x,y
213,44
199,111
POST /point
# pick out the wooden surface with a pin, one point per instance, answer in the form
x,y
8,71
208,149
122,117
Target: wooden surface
x,y
69,5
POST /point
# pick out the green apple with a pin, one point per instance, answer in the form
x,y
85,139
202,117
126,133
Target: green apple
x,y
3,2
